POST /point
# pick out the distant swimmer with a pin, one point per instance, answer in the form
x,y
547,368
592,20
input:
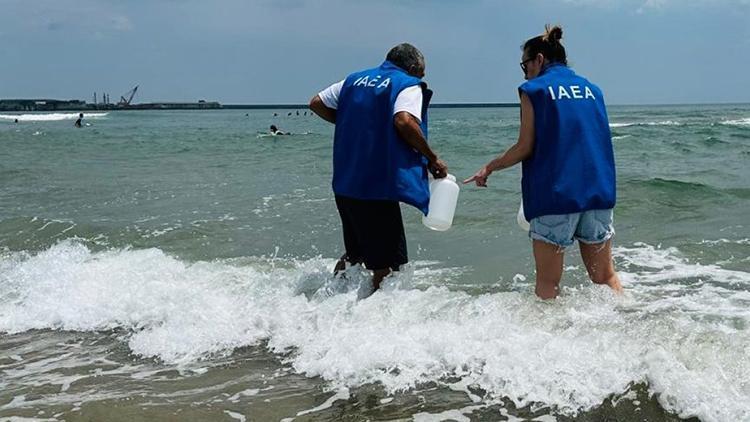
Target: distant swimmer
x,y
275,114
15,121
275,131
78,122
298,112
289,114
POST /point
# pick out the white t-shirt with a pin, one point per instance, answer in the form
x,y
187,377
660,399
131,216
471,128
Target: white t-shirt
x,y
408,100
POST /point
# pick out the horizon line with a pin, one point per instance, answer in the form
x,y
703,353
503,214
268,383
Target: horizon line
x,y
486,104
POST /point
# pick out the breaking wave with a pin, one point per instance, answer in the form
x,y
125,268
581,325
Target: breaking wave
x,y
682,328
50,117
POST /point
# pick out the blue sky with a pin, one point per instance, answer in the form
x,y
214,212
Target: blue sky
x,y
263,51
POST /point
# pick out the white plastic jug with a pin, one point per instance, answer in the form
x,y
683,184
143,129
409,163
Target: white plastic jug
x,y
443,199
521,219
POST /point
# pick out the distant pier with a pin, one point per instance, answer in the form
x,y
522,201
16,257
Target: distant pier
x,y
41,105
78,105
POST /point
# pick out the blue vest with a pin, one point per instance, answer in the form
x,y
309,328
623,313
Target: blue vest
x,y
370,160
572,167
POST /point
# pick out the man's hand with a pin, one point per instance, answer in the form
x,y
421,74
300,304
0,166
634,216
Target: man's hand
x,y
480,177
438,168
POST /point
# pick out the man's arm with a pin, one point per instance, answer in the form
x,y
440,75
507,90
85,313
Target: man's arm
x,y
318,107
408,129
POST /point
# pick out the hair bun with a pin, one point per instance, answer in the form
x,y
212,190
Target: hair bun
x,y
552,34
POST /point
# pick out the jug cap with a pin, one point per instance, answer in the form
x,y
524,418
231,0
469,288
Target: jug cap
x,y
431,178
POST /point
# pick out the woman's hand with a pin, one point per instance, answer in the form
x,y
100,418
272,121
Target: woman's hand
x,y
480,177
521,150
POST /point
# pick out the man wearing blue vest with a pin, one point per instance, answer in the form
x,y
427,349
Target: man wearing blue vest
x,y
568,170
380,157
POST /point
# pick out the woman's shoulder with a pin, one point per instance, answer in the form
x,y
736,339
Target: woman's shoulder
x,y
533,85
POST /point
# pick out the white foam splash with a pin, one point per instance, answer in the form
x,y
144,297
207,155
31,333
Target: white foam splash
x,y
50,117
659,123
458,415
234,415
682,327
671,265
342,394
737,122
745,241
249,392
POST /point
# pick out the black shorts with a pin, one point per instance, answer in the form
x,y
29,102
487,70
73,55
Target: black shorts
x,y
373,232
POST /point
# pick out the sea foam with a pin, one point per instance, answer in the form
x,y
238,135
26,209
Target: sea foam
x,y
50,117
659,123
737,122
682,327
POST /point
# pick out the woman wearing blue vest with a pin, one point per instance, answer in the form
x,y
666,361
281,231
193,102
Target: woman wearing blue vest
x,y
568,182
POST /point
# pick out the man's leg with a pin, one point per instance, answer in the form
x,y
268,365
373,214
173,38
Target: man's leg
x,y
349,231
549,266
384,242
598,260
378,276
340,265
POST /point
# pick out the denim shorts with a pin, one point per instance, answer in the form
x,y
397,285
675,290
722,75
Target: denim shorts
x,y
591,227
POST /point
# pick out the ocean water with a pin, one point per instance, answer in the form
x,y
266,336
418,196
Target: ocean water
x,y
175,265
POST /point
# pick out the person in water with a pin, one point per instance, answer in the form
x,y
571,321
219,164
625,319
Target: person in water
x,y
380,157
78,122
568,169
275,131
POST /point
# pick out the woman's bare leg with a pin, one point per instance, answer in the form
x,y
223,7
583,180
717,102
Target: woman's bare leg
x,y
598,260
549,266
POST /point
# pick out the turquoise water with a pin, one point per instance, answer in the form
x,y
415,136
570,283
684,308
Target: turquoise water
x,y
169,264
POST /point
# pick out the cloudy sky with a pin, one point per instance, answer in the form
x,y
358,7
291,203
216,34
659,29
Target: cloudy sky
x,y
282,51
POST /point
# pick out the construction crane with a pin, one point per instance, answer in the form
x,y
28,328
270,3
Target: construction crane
x,y
130,94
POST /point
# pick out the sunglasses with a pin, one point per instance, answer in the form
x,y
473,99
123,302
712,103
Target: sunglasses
x,y
523,63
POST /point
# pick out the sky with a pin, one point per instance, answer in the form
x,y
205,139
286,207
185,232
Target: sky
x,y
285,51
